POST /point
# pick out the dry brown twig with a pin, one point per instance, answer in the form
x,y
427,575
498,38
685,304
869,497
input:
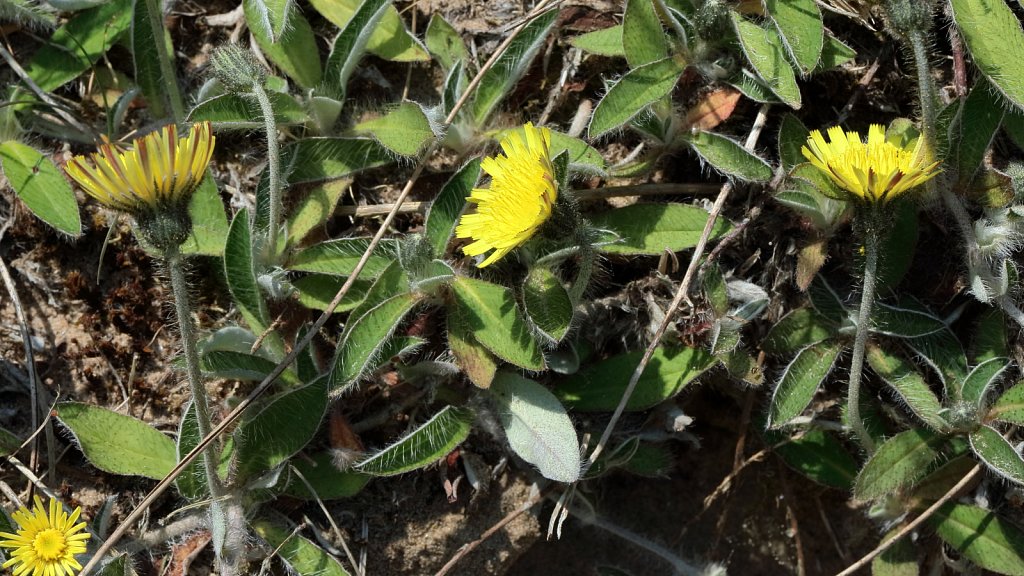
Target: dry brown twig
x,y
967,479
265,385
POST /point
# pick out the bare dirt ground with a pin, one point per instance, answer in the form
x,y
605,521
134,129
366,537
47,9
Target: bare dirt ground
x,y
100,334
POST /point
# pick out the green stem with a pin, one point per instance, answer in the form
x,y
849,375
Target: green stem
x,y
273,166
976,263
156,22
224,506
867,299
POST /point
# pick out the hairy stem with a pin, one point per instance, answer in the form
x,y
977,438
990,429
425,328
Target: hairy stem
x,y
273,166
156,22
867,300
228,508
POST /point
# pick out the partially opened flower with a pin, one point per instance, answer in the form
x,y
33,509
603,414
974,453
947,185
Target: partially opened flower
x,y
872,172
519,199
153,181
45,543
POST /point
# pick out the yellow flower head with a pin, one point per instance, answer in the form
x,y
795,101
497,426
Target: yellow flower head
x,y
875,172
160,170
46,543
520,197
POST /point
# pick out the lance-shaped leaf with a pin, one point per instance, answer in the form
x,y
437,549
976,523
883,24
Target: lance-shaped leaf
x,y
280,429
973,129
909,385
799,23
729,157
497,82
79,43
900,559
339,257
209,222
241,276
423,446
792,137
302,556
1010,406
146,57
899,463
494,320
994,37
390,38
40,186
643,39
983,378
653,228
599,386
943,352
998,454
117,443
834,54
319,159
817,455
472,357
316,291
444,42
243,366
366,337
603,42
763,48
9,443
826,300
894,320
444,211
990,336
327,482
800,381
294,51
315,208
350,44
537,427
548,303
235,112
404,130
271,17
796,330
633,93
984,538
191,483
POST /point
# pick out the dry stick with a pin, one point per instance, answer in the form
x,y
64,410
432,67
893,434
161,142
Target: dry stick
x,y
915,523
586,195
263,386
530,502
40,93
681,294
36,391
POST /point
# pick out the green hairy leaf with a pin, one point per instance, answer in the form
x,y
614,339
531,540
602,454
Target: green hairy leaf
x,y
651,229
537,427
40,186
423,446
899,463
800,382
995,40
599,386
117,443
981,536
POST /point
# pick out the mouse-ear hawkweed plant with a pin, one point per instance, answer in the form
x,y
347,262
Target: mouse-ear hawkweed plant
x,y
46,541
519,199
153,182
870,174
